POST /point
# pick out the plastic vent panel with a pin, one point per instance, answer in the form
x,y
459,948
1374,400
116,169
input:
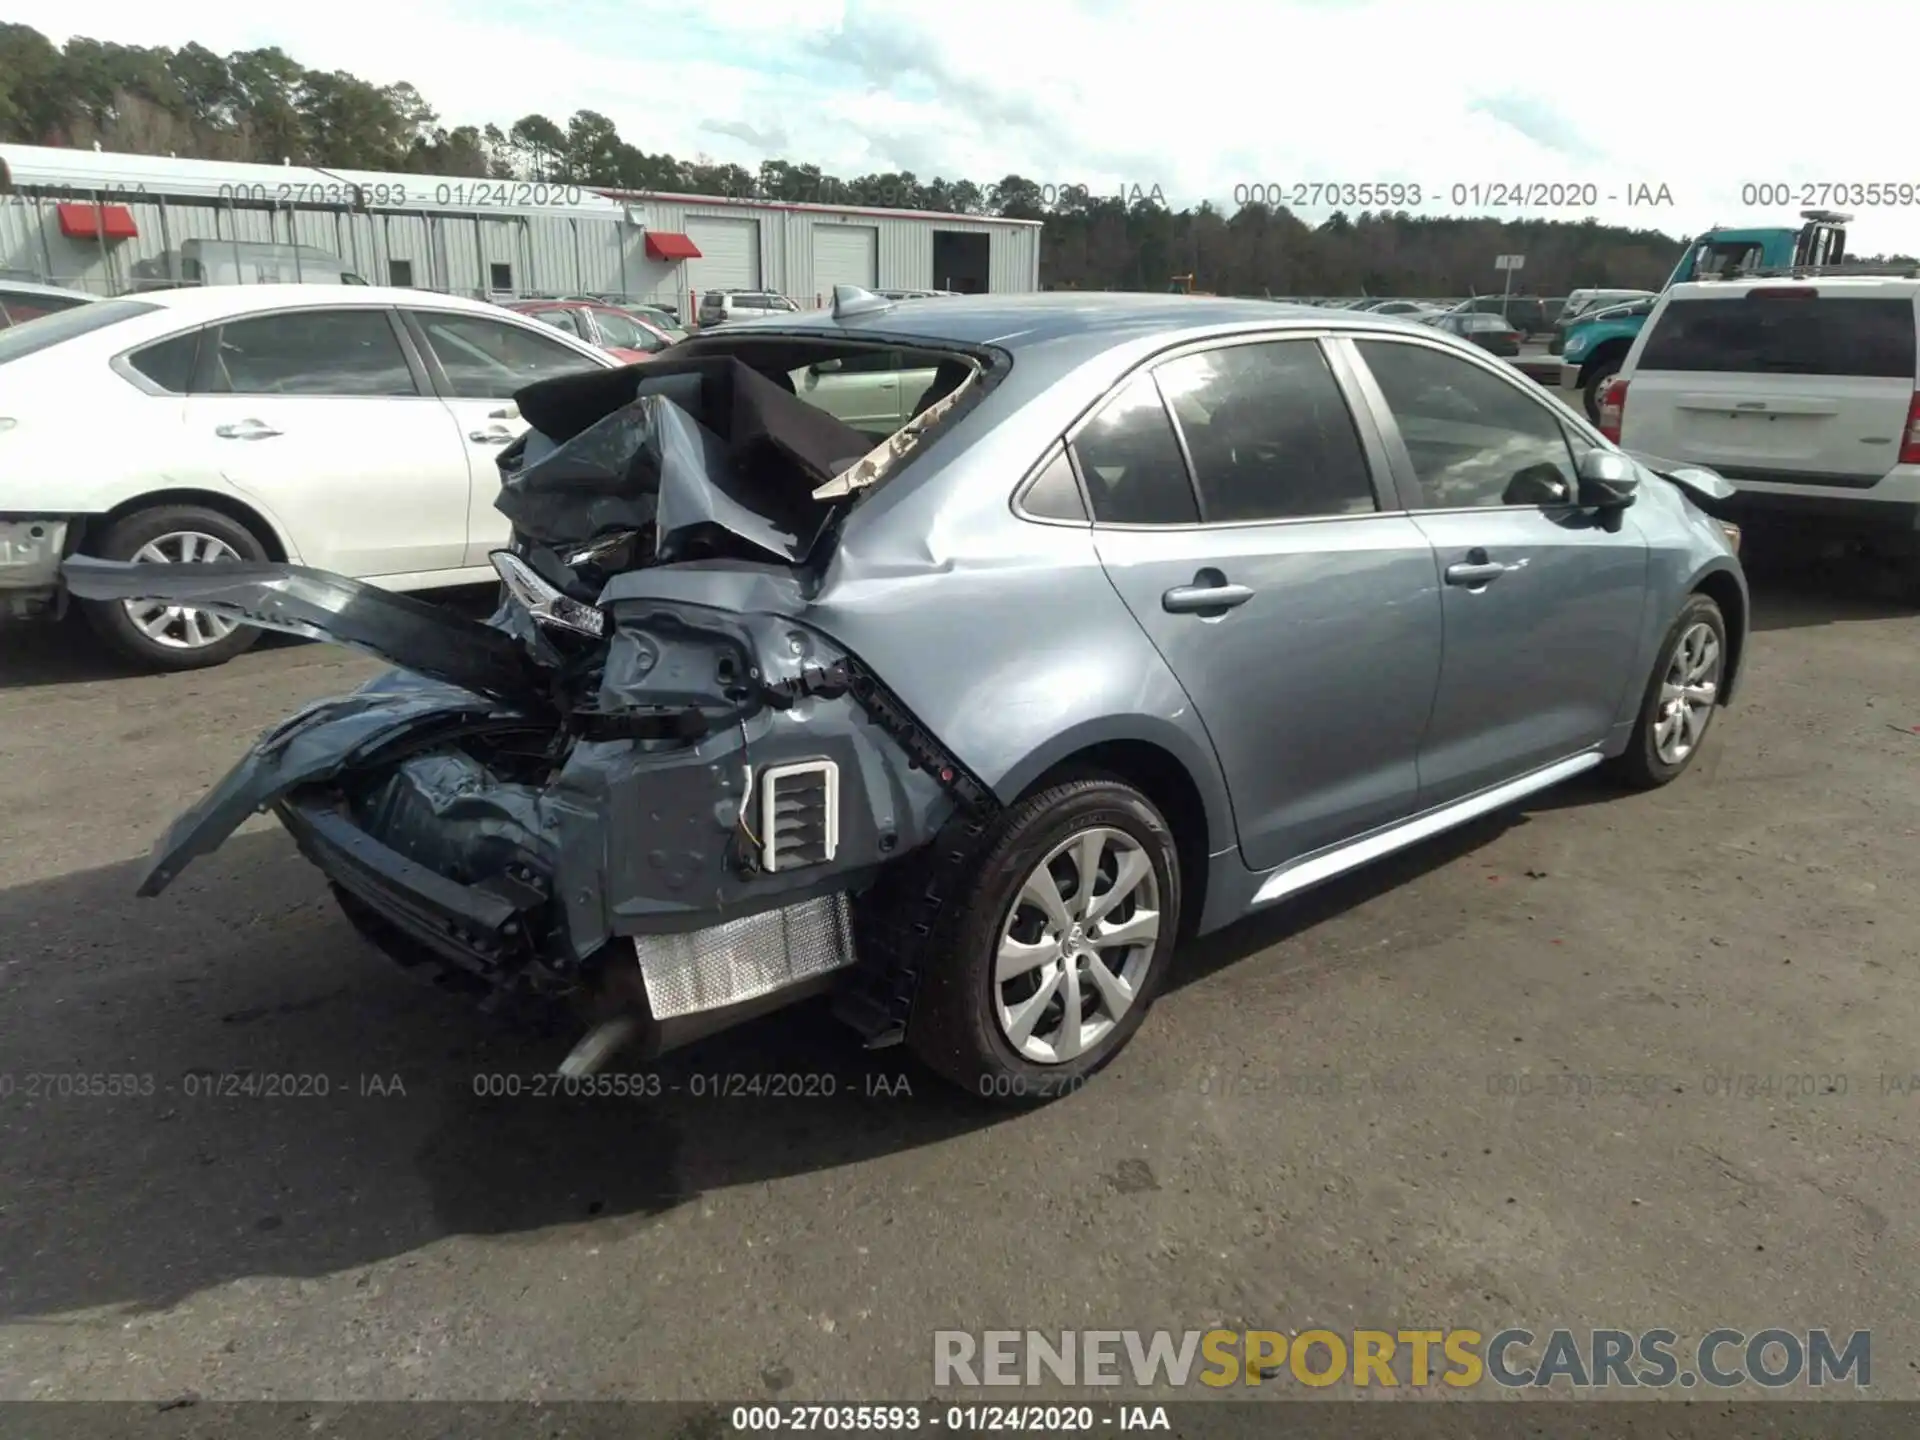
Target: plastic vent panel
x,y
799,815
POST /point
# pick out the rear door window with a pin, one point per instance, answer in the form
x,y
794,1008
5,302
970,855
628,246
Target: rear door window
x,y
1795,332
307,352
1131,461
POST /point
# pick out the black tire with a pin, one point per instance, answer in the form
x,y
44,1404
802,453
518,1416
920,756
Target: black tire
x,y
122,541
954,1026
1596,382
1639,766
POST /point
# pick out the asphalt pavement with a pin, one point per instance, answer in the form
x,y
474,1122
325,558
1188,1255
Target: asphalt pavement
x,y
1601,1061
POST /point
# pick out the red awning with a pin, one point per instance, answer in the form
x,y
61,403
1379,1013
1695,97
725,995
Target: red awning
x,y
665,245
90,222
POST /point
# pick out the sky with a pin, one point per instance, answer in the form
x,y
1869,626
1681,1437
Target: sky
x,y
1705,112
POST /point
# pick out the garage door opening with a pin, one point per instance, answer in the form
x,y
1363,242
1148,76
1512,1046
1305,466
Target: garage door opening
x,y
960,261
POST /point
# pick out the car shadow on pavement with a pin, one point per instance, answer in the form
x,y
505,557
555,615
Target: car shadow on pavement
x,y
1287,919
301,1107
1792,594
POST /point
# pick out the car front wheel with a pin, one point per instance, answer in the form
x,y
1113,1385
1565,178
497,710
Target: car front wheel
x,y
155,635
1681,698
1046,965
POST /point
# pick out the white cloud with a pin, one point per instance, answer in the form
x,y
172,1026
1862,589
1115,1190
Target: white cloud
x,y
1195,97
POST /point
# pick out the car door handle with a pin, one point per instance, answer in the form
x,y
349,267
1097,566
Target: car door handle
x,y
1478,570
246,430
1187,599
494,435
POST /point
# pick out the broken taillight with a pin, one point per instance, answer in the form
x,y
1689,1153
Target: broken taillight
x,y
544,602
1910,441
1613,408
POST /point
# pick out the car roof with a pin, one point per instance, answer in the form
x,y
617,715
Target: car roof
x,y
1836,285
1095,320
217,301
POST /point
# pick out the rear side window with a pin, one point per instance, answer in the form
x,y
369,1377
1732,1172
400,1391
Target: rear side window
x,y
35,335
1783,335
1131,461
1269,433
168,363
1055,494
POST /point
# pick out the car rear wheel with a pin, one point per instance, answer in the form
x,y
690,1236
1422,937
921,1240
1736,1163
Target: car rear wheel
x,y
157,636
1681,698
1048,962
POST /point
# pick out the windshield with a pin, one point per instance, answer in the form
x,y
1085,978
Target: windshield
x,y
37,335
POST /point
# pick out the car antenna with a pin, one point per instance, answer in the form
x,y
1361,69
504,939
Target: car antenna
x,y
851,300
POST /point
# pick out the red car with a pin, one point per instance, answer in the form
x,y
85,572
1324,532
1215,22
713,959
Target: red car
x,y
614,330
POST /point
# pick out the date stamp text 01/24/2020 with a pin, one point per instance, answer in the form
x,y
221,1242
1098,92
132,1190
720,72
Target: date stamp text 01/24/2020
x,y
1577,195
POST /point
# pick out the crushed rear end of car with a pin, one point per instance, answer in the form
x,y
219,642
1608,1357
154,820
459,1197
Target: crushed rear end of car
x,y
646,787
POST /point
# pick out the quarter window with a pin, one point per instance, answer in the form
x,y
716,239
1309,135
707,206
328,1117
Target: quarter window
x,y
1474,439
168,363
1131,462
1055,494
308,352
1269,433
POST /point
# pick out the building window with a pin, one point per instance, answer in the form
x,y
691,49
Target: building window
x,y
400,272
502,276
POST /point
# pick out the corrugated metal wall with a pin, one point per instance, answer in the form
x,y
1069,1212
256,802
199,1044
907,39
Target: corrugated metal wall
x,y
544,252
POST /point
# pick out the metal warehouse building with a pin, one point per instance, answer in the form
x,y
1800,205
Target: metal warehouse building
x,y
111,223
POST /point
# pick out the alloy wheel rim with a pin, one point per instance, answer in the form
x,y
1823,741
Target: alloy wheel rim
x,y
180,627
1075,945
1688,694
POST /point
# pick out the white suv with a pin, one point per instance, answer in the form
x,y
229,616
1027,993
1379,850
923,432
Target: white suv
x,y
1803,392
719,306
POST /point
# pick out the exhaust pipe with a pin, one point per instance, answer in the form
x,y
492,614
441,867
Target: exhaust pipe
x,y
598,1046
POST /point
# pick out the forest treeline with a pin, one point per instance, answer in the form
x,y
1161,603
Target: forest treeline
x,y
264,106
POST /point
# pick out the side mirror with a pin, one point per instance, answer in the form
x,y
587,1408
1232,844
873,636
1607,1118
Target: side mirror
x,y
1608,481
1538,485
824,367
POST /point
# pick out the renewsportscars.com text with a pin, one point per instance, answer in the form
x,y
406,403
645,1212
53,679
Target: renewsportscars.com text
x,y
1512,1359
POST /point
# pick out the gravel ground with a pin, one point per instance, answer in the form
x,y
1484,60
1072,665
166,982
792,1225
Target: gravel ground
x,y
1340,1114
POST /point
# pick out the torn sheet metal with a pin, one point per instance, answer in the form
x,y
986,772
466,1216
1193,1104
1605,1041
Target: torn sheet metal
x,y
884,458
710,446
427,639
316,743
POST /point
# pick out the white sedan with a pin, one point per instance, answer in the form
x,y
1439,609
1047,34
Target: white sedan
x,y
351,429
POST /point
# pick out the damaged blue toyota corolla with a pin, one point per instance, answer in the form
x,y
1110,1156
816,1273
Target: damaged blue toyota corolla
x,y
1153,612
